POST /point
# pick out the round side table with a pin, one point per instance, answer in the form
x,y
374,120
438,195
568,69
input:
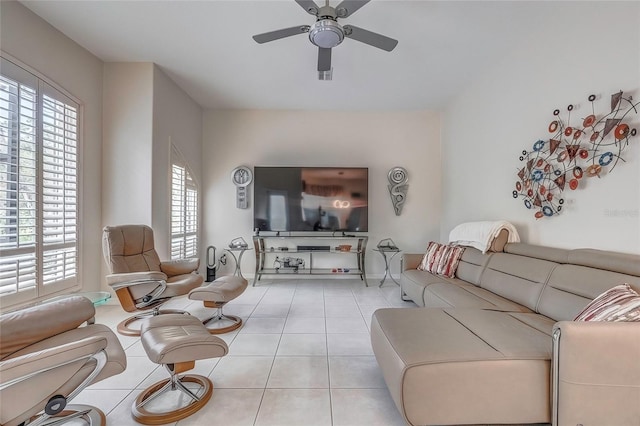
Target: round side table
x,y
387,254
237,259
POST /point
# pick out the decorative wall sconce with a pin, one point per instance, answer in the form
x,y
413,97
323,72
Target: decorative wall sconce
x,y
398,187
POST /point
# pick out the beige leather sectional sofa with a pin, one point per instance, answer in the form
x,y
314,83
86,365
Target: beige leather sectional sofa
x,y
497,344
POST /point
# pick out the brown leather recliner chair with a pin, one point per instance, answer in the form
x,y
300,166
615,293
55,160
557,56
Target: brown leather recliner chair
x,y
141,281
47,357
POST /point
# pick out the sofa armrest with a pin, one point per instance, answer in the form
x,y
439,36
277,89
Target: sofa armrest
x,y
138,290
179,266
27,365
411,260
117,281
596,373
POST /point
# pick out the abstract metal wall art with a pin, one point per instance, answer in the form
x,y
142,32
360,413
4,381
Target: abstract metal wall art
x,y
576,149
398,187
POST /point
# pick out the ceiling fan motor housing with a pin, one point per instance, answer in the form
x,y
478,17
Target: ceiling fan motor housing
x,y
326,33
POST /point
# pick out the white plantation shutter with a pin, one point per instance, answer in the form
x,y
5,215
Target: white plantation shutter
x,y
38,187
59,190
177,211
191,217
18,120
184,210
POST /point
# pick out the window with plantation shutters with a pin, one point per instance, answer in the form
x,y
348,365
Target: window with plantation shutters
x,y
184,210
39,141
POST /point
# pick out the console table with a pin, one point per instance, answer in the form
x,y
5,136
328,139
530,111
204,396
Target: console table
x,y
281,247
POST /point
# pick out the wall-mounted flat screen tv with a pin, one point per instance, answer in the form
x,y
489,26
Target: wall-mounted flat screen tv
x,y
299,199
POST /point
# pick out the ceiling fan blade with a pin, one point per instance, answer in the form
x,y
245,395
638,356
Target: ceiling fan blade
x,y
370,38
349,7
278,34
324,59
310,6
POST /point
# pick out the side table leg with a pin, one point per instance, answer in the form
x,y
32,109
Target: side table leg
x,y
386,268
238,268
404,296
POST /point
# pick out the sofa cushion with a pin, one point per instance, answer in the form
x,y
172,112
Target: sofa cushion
x,y
620,303
517,278
455,293
572,287
413,283
432,359
472,264
551,254
624,263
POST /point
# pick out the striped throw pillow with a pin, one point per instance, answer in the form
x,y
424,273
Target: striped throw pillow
x,y
431,258
620,303
441,259
449,261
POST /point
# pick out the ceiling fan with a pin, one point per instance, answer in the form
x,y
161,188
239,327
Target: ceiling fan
x,y
327,33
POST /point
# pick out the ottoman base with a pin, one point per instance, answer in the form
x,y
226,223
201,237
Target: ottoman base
x,y
147,417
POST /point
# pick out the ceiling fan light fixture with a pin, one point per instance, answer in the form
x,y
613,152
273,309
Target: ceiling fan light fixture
x,y
326,33
325,75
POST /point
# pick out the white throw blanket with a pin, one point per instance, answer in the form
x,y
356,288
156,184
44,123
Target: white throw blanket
x,y
481,234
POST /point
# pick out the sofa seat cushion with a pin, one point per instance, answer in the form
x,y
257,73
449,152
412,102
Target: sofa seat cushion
x,y
462,366
413,283
458,294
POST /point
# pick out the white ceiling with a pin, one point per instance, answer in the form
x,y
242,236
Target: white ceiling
x,y
207,49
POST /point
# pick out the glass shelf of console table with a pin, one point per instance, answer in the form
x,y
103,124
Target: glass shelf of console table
x,y
333,251
319,245
314,271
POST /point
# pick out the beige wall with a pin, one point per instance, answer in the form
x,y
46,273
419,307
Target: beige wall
x,y
34,42
177,119
377,140
127,151
508,109
144,111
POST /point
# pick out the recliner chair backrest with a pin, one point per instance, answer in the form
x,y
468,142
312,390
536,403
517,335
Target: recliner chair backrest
x,y
129,248
33,324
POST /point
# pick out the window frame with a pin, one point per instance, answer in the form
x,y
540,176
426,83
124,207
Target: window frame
x,y
16,70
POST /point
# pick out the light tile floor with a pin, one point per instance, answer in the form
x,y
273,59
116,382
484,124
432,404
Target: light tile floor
x,y
302,357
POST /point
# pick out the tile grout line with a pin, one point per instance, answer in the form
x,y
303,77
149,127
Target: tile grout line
x,y
273,361
326,341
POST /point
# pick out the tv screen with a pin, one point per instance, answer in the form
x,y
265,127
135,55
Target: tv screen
x,y
322,199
